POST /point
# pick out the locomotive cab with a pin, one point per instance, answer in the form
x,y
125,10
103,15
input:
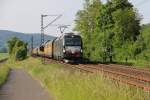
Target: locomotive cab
x,y
72,46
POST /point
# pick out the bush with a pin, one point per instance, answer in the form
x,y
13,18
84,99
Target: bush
x,y
17,49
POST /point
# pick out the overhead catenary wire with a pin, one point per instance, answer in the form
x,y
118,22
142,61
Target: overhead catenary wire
x,y
53,21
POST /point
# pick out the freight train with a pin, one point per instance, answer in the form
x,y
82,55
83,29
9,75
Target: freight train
x,y
67,47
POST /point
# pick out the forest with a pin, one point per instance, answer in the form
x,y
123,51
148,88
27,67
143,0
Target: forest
x,y
112,32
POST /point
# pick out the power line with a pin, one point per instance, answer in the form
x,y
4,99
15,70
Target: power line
x,y
58,16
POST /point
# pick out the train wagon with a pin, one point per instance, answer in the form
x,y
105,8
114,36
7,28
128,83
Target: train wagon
x,y
48,49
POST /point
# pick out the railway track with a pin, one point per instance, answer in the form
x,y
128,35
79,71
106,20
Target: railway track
x,y
143,70
139,78
135,73
122,76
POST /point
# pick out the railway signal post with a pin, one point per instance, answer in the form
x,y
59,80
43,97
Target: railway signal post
x,y
42,36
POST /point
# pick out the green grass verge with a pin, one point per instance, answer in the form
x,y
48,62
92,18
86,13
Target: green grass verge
x,y
3,55
66,84
4,70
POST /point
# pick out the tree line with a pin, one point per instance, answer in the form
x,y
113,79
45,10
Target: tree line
x,y
110,31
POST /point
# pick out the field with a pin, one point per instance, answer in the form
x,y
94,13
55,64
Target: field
x,y
3,55
66,84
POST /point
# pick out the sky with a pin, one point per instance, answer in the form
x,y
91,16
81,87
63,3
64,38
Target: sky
x,y
24,15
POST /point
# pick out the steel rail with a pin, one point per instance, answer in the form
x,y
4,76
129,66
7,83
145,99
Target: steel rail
x,y
131,68
118,77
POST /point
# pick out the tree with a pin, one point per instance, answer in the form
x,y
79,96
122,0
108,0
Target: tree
x,y
107,28
126,26
106,25
127,21
17,49
87,25
11,43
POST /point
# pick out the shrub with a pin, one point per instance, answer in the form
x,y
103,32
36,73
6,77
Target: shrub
x,y
17,49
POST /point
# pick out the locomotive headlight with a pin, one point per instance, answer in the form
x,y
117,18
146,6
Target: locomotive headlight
x,y
64,51
81,50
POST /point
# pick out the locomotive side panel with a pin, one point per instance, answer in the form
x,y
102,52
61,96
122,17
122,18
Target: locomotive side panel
x,y
57,49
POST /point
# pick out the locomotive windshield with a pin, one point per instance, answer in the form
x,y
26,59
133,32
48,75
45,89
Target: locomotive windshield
x,y
72,41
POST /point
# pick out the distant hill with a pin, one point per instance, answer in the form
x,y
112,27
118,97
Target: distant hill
x,y
5,35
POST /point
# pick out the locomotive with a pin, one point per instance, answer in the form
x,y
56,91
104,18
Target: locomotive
x,y
67,47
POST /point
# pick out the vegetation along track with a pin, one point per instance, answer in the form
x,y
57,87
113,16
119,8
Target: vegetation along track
x,y
128,75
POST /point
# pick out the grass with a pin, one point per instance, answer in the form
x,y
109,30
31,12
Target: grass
x,y
4,69
65,84
3,55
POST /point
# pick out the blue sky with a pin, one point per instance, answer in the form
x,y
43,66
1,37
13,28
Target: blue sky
x,y
24,15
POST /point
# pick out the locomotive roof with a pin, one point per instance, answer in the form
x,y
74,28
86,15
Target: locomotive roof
x,y
66,34
70,34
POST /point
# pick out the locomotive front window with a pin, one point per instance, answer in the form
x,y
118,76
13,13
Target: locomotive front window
x,y
73,41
